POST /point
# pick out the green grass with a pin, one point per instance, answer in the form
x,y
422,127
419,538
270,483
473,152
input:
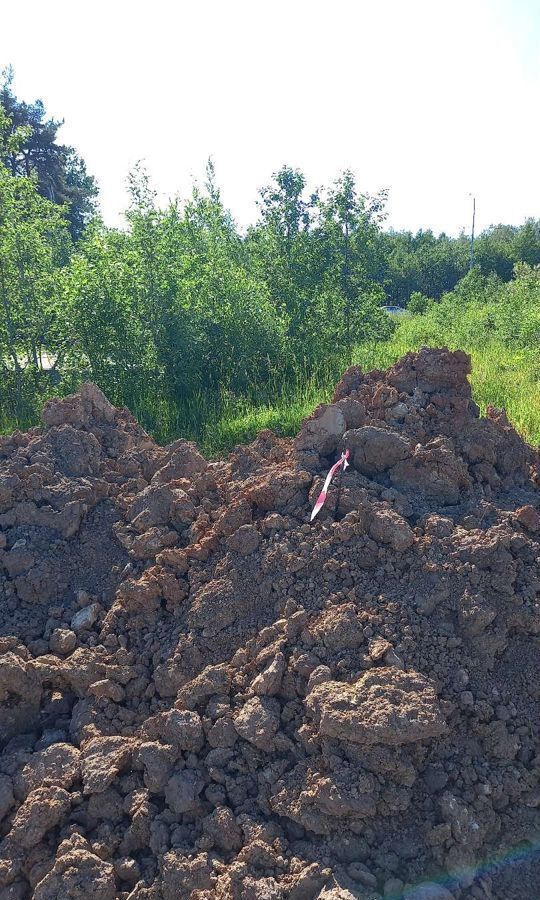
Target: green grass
x,y
501,377
509,379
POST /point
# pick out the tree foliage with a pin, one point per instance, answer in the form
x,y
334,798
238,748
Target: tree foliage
x,y
181,305
61,174
34,246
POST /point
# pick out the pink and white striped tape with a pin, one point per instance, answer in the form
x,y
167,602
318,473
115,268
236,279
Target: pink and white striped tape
x,y
322,496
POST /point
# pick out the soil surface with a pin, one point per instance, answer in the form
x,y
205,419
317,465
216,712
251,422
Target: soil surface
x,y
204,695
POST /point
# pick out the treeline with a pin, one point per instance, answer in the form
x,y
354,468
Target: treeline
x,y
483,311
432,266
181,304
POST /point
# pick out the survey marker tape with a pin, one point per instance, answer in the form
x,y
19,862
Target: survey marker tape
x,y
322,496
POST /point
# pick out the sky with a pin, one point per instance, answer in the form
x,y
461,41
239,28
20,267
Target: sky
x,y
433,100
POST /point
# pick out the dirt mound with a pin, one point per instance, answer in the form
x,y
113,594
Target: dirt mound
x,y
203,695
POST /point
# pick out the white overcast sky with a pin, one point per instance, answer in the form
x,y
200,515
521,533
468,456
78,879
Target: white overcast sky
x,y
431,99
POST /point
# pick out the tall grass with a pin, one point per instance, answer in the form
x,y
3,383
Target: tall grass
x,y
501,377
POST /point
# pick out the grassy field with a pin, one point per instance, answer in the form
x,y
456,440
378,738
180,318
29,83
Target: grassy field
x,y
500,377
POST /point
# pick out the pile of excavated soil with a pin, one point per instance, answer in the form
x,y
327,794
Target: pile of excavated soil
x,y
203,695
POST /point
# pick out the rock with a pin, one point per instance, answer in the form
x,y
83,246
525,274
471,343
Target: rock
x,y
127,869
222,827
374,449
62,641
175,558
387,527
179,727
183,729
350,382
319,675
310,882
43,809
182,510
18,561
258,722
435,471
235,514
182,876
158,761
336,893
222,733
322,802
462,819
140,596
359,872
529,517
160,504
385,706
339,628
213,608
20,695
107,689
85,618
182,790
102,759
245,540
440,526
79,874
79,409
107,806
152,542
59,764
261,889
183,461
431,370
279,489
399,411
212,680
269,681
322,431
76,453
391,658
378,648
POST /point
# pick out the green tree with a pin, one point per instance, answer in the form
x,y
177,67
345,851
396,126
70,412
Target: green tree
x,y
34,245
494,251
284,251
62,176
526,243
349,226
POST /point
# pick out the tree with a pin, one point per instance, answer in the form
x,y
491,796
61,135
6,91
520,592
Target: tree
x,y
34,245
283,206
526,243
283,251
494,250
349,225
61,174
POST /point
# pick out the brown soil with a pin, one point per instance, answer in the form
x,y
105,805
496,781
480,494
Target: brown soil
x,y
203,695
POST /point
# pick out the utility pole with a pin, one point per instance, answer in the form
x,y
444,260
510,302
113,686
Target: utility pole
x,y
471,263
